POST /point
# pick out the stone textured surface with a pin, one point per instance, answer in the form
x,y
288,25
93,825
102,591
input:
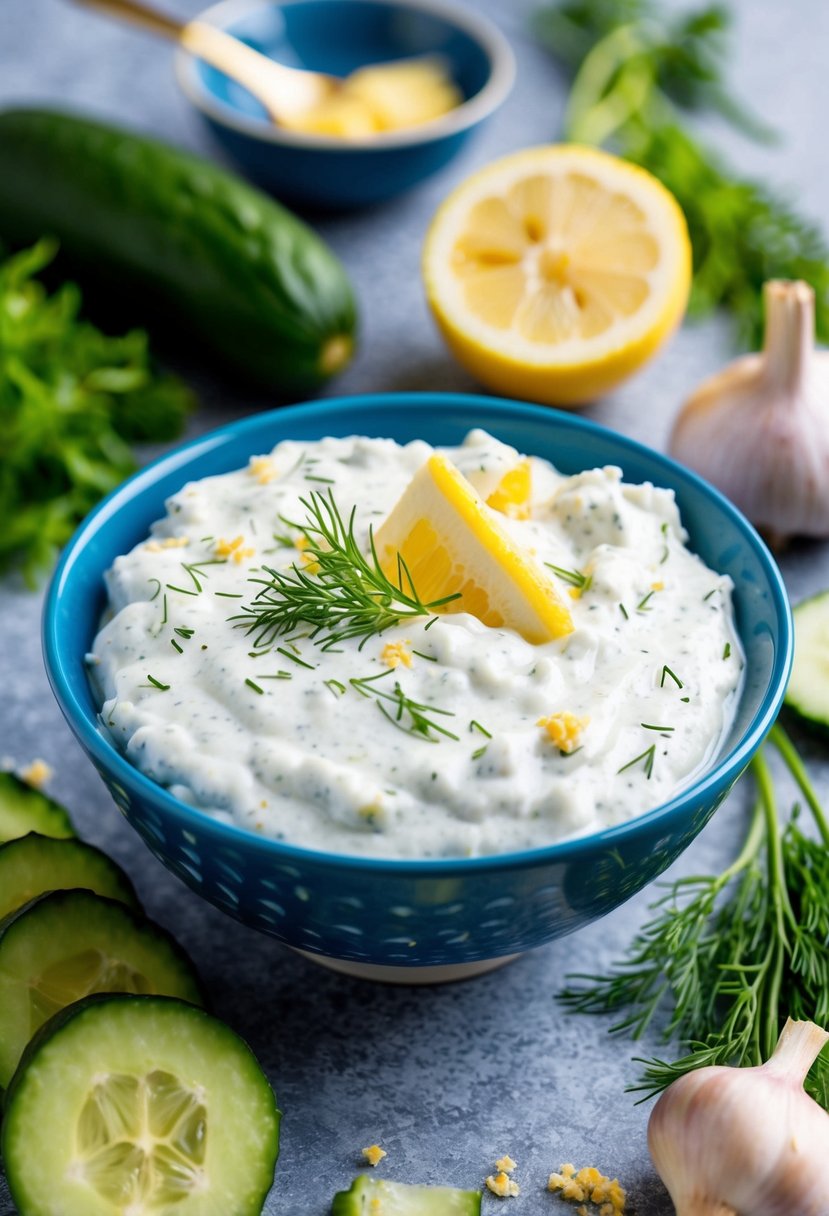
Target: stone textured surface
x,y
447,1079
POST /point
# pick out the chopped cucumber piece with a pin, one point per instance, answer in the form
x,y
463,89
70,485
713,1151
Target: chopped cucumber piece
x,y
67,944
33,864
136,1106
808,691
24,809
377,1197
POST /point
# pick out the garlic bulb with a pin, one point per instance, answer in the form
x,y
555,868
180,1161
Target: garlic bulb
x,y
746,1141
759,429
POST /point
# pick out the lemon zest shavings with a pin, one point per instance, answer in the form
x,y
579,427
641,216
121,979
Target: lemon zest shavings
x,y
394,654
564,730
373,1154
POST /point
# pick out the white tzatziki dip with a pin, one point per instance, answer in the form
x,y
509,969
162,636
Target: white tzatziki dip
x,y
510,745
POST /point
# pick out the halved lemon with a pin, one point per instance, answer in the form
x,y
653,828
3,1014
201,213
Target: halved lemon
x,y
452,545
556,272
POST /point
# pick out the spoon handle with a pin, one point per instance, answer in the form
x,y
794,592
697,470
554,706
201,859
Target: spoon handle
x,y
284,92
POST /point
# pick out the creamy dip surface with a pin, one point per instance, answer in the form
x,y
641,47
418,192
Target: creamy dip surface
x,y
551,740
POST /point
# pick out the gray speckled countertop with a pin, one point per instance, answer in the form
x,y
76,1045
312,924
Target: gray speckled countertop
x,y
449,1078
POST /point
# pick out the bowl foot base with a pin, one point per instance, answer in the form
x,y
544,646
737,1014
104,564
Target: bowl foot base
x,y
448,973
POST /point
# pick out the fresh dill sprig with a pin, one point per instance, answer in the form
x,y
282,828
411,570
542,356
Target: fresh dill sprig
x,y
152,682
647,757
574,577
342,593
666,671
408,715
729,956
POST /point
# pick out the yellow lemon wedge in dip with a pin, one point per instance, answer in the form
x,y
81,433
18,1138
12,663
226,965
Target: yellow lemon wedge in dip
x,y
512,494
452,544
557,271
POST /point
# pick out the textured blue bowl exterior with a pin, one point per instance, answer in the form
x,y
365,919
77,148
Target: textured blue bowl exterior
x,y
338,36
412,913
335,179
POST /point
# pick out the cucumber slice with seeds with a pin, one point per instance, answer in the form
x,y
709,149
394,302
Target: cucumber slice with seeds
x,y
808,691
33,864
67,944
139,1106
378,1197
24,809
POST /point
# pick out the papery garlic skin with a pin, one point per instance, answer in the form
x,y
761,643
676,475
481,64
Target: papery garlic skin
x,y
759,429
746,1141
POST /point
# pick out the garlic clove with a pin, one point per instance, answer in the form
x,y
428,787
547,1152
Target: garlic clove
x,y
746,1141
759,429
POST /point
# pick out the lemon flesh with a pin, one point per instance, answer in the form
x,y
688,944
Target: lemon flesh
x,y
450,543
558,271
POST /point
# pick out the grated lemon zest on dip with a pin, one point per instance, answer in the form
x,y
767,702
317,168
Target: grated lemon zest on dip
x,y
589,1183
374,1154
565,730
502,1185
395,653
263,469
169,542
36,774
234,550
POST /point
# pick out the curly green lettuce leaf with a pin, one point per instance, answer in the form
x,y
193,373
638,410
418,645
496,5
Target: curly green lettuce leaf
x,y
72,401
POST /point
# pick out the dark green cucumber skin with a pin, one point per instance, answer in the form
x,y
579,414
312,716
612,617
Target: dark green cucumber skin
x,y
40,848
260,290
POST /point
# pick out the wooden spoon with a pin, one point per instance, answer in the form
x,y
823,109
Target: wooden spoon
x,y
284,92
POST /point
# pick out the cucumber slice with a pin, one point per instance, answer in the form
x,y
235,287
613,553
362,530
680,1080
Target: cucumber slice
x,y
33,864
137,1106
808,691
67,944
377,1197
24,809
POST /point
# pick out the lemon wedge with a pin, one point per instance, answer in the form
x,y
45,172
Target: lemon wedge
x,y
452,544
556,272
512,494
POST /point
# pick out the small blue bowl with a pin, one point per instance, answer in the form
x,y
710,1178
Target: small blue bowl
x,y
338,36
422,920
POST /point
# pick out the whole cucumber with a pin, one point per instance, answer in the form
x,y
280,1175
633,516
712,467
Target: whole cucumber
x,y
208,252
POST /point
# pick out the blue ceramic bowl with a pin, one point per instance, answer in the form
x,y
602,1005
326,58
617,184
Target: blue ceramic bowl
x,y
337,36
455,914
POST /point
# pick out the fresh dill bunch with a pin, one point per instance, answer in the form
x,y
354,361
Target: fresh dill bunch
x,y
341,593
635,69
729,957
407,715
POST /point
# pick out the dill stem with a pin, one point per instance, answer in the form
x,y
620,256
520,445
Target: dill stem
x,y
797,769
767,1025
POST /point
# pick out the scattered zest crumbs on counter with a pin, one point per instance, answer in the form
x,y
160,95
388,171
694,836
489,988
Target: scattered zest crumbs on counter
x,y
395,653
501,1184
374,1154
564,730
590,1184
36,774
